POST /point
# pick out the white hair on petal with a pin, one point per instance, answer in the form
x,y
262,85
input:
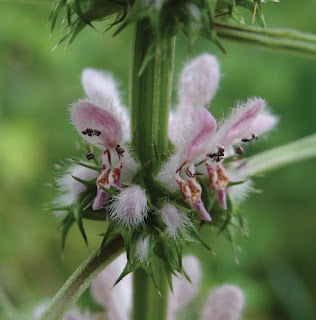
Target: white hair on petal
x,y
175,220
166,174
265,122
240,192
199,81
142,249
198,84
71,189
224,303
222,135
67,184
129,207
130,166
100,86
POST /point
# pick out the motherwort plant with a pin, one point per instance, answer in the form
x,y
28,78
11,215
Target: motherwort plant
x,y
156,176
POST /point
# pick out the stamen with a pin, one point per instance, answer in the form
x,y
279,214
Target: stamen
x,y
119,150
253,137
189,173
218,155
91,132
240,149
90,155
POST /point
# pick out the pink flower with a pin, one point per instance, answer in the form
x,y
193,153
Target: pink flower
x,y
225,302
244,124
199,144
100,120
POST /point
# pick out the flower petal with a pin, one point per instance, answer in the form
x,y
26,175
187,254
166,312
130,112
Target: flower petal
x,y
71,187
221,198
264,123
184,291
238,125
118,299
195,145
100,85
199,81
100,199
224,303
96,125
166,173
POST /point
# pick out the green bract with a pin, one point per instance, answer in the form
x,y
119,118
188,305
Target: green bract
x,y
167,17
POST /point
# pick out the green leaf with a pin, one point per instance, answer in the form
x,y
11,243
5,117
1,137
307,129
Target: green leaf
x,y
148,57
65,227
149,270
130,267
112,230
77,215
60,4
251,6
195,235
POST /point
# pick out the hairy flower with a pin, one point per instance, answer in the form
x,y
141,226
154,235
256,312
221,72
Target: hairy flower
x,y
98,119
129,207
200,145
71,188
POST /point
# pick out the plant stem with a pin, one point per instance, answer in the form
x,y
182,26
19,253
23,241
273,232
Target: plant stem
x,y
150,94
282,40
79,281
280,156
147,303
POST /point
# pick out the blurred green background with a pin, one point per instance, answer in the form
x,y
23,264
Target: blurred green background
x,y
277,263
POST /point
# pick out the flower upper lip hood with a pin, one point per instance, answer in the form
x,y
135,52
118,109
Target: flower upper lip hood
x,y
97,126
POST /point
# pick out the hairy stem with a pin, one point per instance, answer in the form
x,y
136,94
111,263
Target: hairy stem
x,y
150,94
282,40
79,281
280,156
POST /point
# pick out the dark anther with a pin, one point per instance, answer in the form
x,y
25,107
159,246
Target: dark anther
x,y
253,137
189,173
90,155
218,155
91,132
240,149
119,150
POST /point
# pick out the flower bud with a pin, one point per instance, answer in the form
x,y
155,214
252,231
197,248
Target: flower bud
x,y
129,207
175,220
